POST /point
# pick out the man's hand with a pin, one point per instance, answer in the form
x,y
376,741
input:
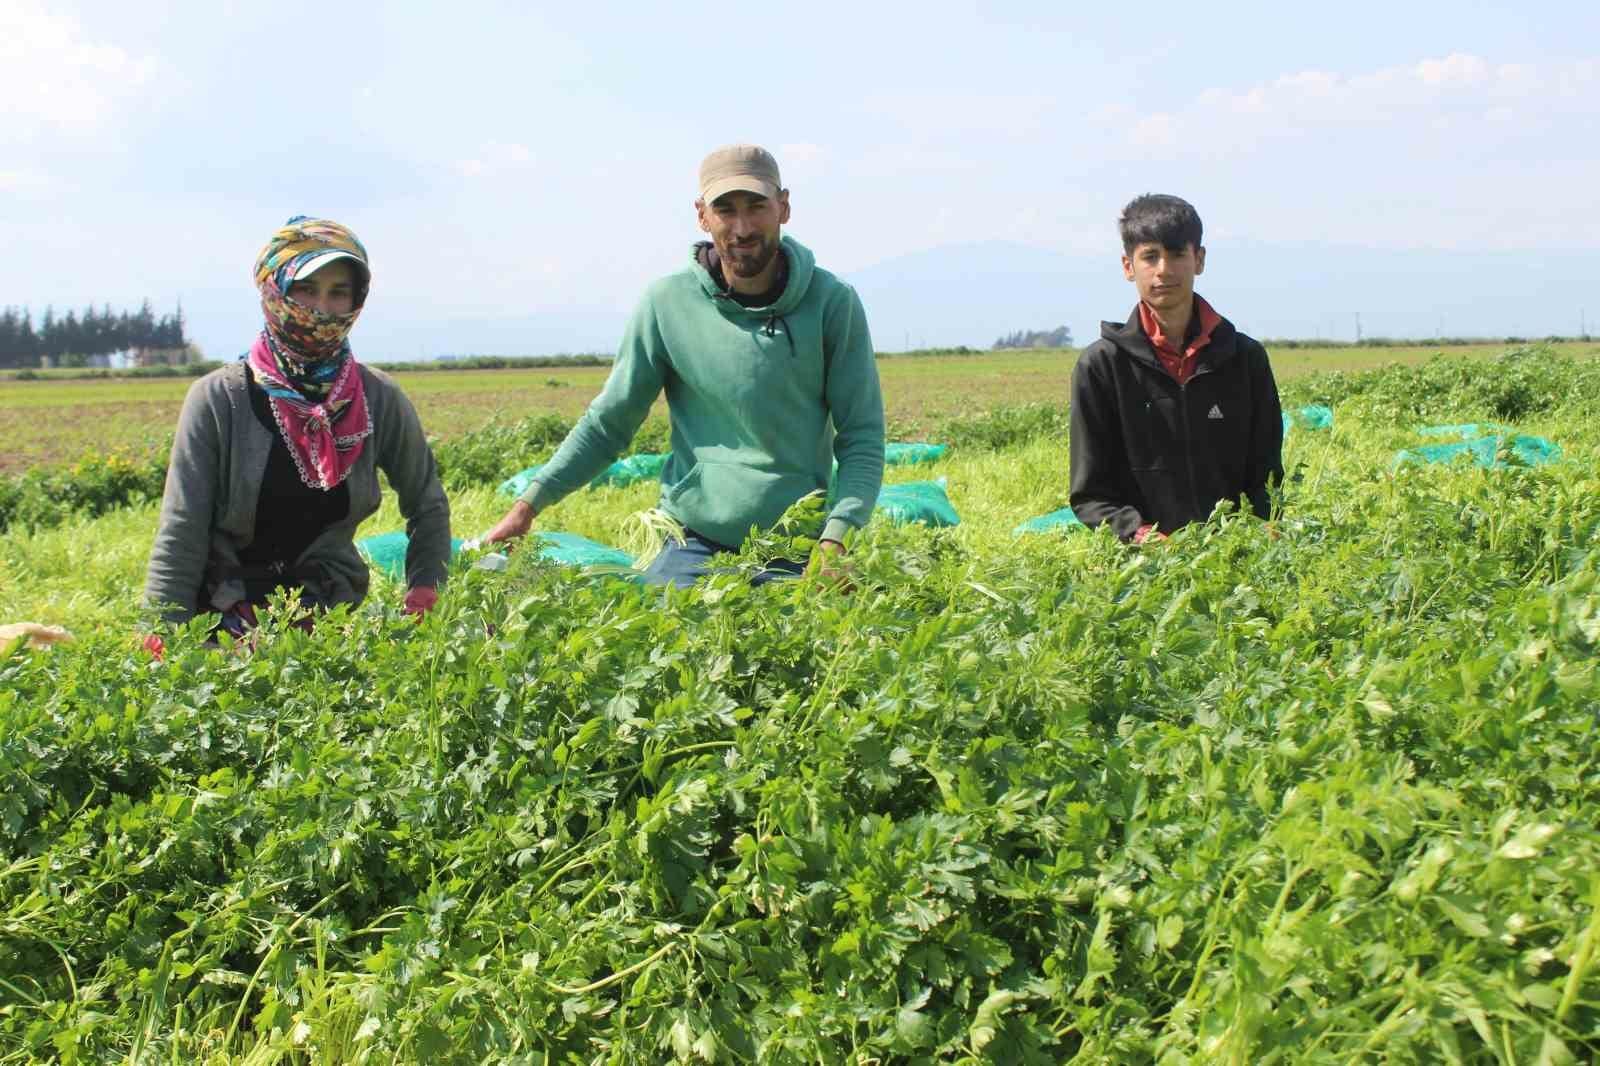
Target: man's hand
x,y
515,524
827,561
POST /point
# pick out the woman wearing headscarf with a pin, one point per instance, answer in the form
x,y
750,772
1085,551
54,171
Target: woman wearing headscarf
x,y
276,457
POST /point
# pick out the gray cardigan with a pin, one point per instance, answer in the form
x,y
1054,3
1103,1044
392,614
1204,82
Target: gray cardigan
x,y
219,457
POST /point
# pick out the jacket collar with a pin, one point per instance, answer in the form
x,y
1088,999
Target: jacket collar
x,y
802,265
1130,338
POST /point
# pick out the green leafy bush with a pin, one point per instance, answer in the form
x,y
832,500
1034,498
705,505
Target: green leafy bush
x,y
92,486
1322,792
497,451
1522,383
1007,427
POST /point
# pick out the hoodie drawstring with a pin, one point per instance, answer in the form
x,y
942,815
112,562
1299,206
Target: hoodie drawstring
x,y
772,331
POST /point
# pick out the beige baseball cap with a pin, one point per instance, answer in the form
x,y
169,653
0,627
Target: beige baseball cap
x,y
746,167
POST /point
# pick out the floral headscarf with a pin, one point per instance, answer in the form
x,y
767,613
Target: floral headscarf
x,y
302,358
304,334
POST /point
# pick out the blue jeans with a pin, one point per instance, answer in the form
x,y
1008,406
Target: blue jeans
x,y
684,564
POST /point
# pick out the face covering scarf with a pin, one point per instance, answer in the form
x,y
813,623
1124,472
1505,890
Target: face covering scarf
x,y
302,358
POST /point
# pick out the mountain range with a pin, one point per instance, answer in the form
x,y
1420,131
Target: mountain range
x,y
972,294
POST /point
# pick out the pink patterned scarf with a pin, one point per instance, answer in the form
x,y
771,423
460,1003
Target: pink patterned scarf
x,y
325,437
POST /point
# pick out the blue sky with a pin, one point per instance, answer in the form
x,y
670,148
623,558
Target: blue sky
x,y
504,162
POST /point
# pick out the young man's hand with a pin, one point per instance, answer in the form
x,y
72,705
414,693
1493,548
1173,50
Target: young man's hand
x,y
515,524
420,600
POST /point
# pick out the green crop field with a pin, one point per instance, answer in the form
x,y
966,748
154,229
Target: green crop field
x,y
1324,791
52,421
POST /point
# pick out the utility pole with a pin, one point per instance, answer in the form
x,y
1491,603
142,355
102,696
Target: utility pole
x,y
1358,327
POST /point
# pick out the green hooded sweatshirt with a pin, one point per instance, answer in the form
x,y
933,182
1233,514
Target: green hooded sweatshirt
x,y
761,399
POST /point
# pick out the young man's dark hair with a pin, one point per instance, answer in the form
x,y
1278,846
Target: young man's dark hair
x,y
1175,410
1157,219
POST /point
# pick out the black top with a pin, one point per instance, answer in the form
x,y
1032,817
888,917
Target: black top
x,y
713,264
289,513
1148,450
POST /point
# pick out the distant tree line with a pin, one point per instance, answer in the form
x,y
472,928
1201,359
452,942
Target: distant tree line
x,y
75,338
1421,342
494,362
1060,337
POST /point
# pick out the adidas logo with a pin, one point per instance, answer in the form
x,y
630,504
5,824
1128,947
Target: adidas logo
x,y
1215,412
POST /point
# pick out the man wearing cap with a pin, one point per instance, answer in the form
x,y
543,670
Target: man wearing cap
x,y
769,375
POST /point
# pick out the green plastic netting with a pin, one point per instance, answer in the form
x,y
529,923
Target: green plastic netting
x,y
911,453
387,552
570,549
1465,430
918,501
1311,416
1492,453
645,465
1063,519
518,483
632,470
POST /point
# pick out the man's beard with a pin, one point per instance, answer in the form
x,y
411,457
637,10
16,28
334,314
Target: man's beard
x,y
749,262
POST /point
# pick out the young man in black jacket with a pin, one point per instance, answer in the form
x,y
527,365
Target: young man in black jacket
x,y
1174,410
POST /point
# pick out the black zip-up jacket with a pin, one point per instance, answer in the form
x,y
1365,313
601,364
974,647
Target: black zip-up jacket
x,y
1148,450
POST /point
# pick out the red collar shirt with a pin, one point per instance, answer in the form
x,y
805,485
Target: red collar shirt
x,y
1179,362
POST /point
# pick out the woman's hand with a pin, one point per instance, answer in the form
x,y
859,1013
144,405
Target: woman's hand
x,y
515,524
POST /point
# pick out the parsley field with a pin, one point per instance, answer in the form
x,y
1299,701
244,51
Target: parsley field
x,y
1318,792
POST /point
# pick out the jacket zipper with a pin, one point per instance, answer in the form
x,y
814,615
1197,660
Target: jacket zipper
x,y
1188,441
1188,444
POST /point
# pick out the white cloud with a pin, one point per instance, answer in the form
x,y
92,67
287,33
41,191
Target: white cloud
x,y
496,157
945,114
896,161
52,75
1114,113
1453,71
18,180
1155,131
1579,81
800,153
1514,81
1432,96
